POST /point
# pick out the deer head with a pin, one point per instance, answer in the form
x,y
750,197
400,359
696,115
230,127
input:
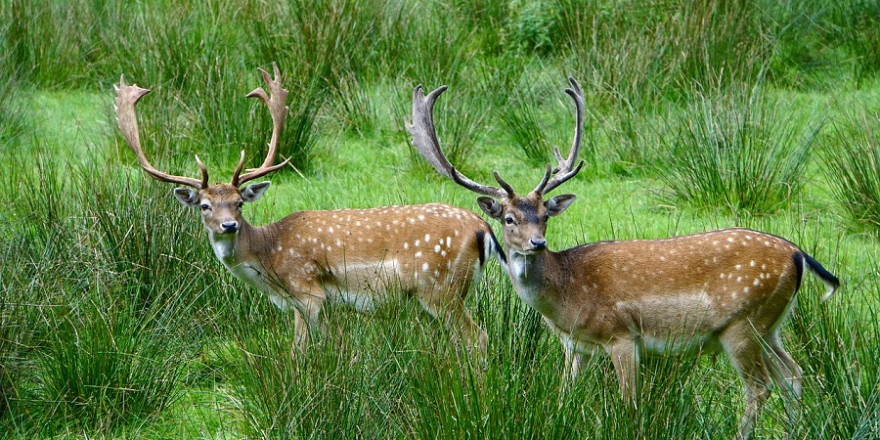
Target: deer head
x,y
523,218
220,203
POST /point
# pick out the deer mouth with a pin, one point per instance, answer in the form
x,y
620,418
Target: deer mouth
x,y
531,251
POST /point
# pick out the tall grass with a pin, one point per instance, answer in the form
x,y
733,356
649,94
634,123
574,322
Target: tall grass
x,y
341,386
855,25
521,118
632,138
520,97
107,365
103,344
842,393
853,168
464,126
12,125
643,53
737,152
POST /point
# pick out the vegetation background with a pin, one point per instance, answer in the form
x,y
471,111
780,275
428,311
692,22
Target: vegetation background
x,y
116,321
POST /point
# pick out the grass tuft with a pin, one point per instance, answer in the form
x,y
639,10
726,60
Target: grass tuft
x,y
853,169
738,153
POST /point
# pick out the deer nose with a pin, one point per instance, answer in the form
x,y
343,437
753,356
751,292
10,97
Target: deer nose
x,y
538,243
229,226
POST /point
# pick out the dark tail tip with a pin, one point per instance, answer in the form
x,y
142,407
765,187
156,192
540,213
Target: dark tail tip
x,y
830,281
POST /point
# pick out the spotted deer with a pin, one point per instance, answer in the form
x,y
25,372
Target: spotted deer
x,y
729,289
363,257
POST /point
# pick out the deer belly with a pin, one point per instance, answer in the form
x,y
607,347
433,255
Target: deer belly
x,y
676,343
364,286
675,323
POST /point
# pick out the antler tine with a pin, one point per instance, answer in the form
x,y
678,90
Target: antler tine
x,y
565,169
540,188
204,182
237,172
275,100
424,138
505,185
126,98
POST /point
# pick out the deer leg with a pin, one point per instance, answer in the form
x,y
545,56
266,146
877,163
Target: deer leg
x,y
457,320
786,372
573,361
307,319
787,375
625,357
474,335
746,353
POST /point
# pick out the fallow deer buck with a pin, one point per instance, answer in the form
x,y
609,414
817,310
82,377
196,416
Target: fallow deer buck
x,y
728,289
433,252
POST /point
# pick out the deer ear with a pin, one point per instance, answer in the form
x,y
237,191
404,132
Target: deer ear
x,y
490,206
560,203
187,197
252,193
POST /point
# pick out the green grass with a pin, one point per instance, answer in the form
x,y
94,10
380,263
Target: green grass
x,y
116,321
739,152
854,169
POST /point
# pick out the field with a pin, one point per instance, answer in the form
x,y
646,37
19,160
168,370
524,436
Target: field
x,y
117,321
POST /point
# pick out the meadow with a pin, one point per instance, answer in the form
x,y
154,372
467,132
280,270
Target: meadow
x,y
117,321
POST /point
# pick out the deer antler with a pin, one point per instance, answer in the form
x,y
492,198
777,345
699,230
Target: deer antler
x,y
565,169
424,137
126,98
275,100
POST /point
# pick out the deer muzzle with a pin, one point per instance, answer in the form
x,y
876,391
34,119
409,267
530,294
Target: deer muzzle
x,y
229,227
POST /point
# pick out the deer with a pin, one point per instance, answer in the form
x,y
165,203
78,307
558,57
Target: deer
x,y
726,290
431,252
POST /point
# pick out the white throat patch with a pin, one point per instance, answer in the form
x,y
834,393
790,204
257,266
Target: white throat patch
x,y
518,264
224,247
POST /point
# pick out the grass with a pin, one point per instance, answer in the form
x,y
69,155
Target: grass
x,y
854,170
116,321
737,152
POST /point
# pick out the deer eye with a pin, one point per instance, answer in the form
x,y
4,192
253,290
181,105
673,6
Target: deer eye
x,y
205,207
509,220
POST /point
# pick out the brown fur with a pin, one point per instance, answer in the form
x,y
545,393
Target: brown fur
x,y
360,256
728,289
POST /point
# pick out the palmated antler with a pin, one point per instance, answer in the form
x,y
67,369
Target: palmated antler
x,y
275,100
425,140
424,137
126,98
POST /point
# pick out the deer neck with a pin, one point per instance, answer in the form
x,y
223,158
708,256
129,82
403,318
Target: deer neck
x,y
243,247
530,276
